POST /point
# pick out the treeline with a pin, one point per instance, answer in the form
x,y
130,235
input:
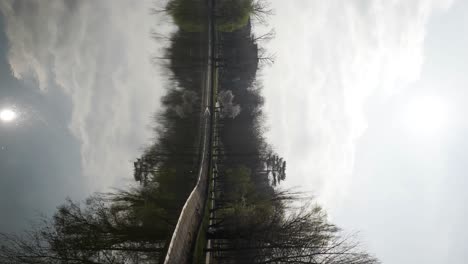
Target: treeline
x,y
231,15
253,220
133,225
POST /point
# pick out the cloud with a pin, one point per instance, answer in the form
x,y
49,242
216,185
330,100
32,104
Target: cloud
x,y
332,58
98,53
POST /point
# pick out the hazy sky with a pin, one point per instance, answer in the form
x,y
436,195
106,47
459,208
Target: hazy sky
x,y
366,102
38,158
79,75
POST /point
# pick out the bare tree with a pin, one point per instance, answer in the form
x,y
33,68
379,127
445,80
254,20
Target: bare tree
x,y
98,233
261,10
265,58
264,37
303,235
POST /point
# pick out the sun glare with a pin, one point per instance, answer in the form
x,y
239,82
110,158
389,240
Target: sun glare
x,y
7,115
426,115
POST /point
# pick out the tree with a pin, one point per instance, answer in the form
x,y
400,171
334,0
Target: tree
x,y
302,236
264,37
100,232
261,10
189,15
232,15
274,166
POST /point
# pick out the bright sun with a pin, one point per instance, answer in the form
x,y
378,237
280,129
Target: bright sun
x,y
427,115
7,115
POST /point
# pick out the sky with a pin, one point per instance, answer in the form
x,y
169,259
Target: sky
x,y
365,102
79,74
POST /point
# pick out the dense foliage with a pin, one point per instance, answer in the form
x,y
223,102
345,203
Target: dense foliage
x,y
231,15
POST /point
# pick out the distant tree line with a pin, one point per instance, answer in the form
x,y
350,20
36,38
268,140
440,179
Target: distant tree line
x,y
230,15
254,220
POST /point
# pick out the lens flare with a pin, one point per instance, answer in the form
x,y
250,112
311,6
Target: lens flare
x,y
7,115
427,116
